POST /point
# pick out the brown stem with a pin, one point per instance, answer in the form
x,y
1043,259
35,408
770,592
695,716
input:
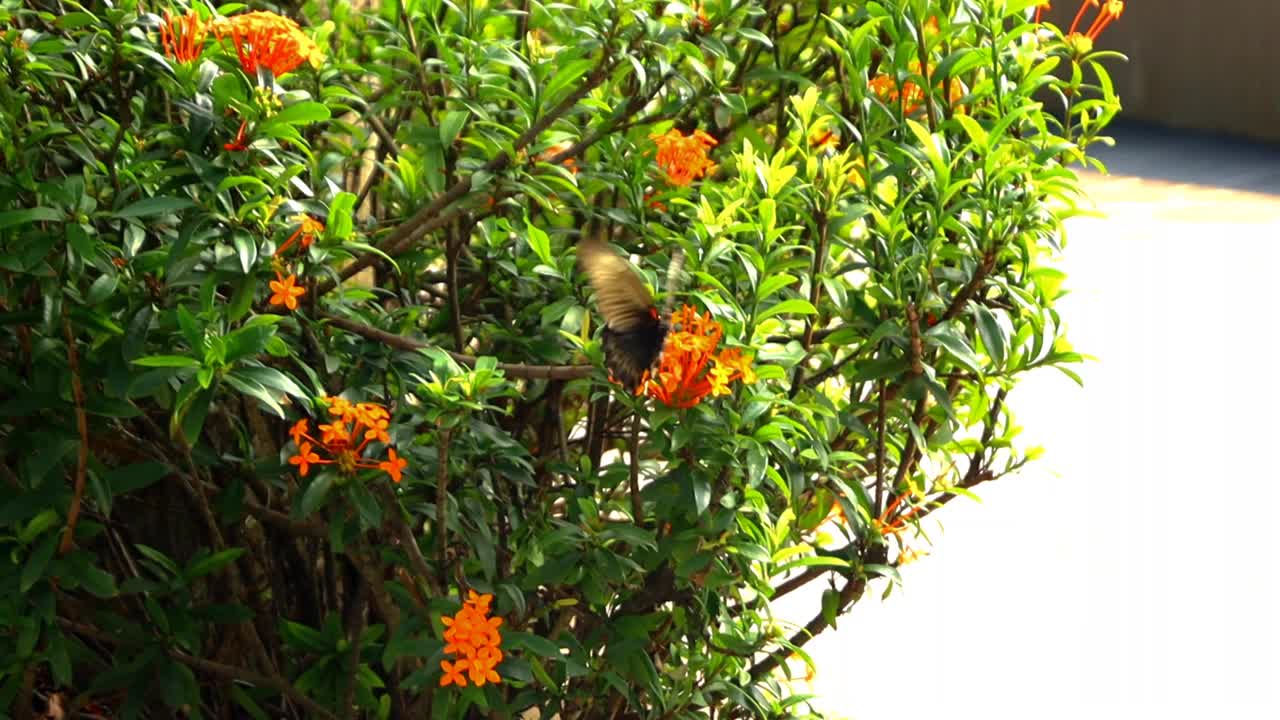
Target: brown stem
x,y
407,540
880,413
82,426
210,667
442,504
851,591
535,372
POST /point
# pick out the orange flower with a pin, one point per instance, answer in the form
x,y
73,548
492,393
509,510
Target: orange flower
x,y
298,431
684,159
472,637
911,95
240,143
305,458
1040,10
393,465
453,673
183,37
265,39
307,231
689,368
700,20
286,293
337,438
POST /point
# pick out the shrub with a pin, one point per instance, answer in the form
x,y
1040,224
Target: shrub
x,y
304,410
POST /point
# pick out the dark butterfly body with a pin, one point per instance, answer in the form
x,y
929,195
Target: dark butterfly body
x,y
634,330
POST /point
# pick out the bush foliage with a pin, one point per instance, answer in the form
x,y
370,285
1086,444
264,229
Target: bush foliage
x,y
302,402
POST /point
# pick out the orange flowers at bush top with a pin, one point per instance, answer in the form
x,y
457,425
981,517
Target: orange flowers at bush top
x,y
265,39
689,368
183,36
472,637
343,440
684,158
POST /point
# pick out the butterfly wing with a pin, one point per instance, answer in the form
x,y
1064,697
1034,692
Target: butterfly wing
x,y
634,332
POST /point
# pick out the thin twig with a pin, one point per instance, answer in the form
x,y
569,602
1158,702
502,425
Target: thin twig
x,y
851,591
515,370
82,426
211,667
407,540
442,504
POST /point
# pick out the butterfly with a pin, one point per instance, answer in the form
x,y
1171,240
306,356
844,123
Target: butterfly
x,y
634,328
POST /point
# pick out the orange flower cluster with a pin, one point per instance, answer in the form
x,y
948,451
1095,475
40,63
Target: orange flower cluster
x,y
689,368
307,231
183,37
911,95
265,39
344,439
473,639
684,158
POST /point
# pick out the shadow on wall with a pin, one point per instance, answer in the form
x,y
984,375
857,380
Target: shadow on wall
x,y
1147,150
1195,64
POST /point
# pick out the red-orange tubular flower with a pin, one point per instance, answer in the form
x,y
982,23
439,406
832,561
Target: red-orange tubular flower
x,y
684,158
183,36
342,441
241,141
265,39
308,229
1108,12
690,369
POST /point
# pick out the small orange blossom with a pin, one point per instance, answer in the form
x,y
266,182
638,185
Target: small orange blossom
x,y
285,292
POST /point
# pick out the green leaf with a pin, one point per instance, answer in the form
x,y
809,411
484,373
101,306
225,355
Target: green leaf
x,y
247,249
993,337
13,218
169,361
316,493
37,562
154,206
134,477
339,223
794,306
945,335
301,113
101,289
211,563
451,125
